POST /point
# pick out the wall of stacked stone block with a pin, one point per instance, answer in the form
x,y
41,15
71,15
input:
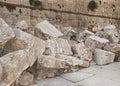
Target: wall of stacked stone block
x,y
64,12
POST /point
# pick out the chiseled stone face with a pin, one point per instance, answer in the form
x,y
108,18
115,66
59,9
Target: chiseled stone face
x,y
103,57
58,46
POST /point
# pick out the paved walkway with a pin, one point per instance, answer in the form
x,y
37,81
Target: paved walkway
x,y
108,75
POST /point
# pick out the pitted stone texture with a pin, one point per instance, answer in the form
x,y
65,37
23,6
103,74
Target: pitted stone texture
x,y
6,33
57,46
83,52
113,32
73,61
22,25
94,42
115,48
26,79
47,29
50,62
16,62
103,57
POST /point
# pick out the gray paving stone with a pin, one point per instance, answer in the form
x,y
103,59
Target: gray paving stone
x,y
97,81
76,76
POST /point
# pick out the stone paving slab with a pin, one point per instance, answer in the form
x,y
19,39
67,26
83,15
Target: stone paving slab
x,y
76,76
108,75
97,81
58,81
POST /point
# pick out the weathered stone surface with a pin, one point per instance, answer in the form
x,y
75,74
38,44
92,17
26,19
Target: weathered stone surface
x,y
103,57
83,52
22,25
50,62
83,35
94,28
113,32
95,42
6,33
58,46
47,29
26,79
73,61
115,48
46,73
16,62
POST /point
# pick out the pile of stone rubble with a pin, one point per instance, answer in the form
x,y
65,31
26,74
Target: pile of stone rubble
x,y
50,52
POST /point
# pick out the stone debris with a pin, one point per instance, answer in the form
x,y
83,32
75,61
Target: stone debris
x,y
26,79
47,29
115,48
6,33
95,42
83,52
22,25
102,57
26,58
57,46
113,33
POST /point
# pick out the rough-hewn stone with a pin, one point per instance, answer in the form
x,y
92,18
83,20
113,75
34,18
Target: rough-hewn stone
x,y
6,33
102,57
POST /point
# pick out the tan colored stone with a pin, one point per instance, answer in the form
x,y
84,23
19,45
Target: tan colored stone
x,y
16,62
115,48
47,29
83,52
22,25
58,46
94,42
26,79
50,62
6,33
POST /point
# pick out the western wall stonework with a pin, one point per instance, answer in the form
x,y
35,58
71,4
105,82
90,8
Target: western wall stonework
x,y
61,12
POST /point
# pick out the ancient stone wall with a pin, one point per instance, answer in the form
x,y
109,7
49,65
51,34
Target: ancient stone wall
x,y
65,12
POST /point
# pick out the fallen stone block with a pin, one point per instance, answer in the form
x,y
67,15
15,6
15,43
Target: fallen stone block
x,y
22,25
113,33
83,52
73,61
57,46
83,35
45,29
50,62
14,63
6,33
102,57
94,42
115,48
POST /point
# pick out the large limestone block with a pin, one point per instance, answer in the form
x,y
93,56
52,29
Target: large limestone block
x,y
16,62
6,33
50,62
113,32
47,29
73,61
83,52
103,57
115,48
95,42
58,46
83,35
